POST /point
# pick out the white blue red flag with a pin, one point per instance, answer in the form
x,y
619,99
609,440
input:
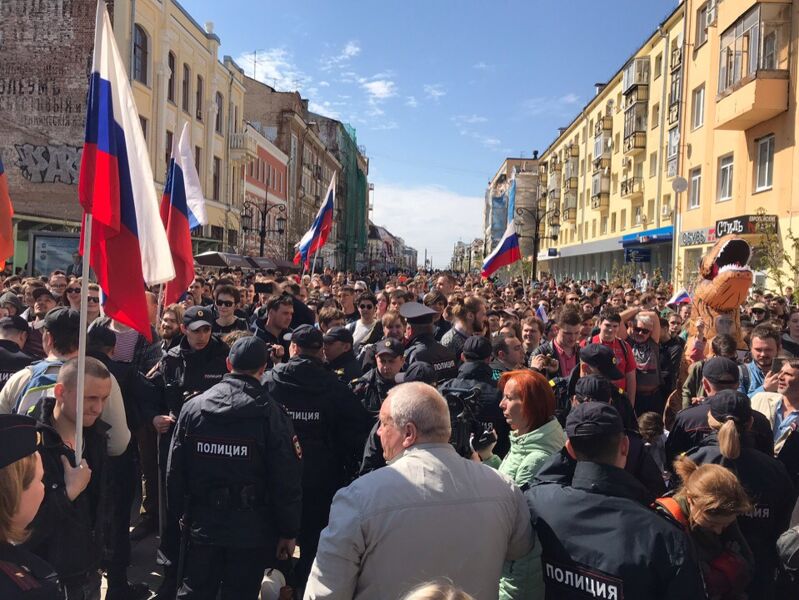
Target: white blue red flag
x,y
506,253
680,297
6,226
182,209
128,247
317,235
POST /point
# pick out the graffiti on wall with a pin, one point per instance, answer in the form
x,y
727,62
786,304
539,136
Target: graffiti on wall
x,y
49,164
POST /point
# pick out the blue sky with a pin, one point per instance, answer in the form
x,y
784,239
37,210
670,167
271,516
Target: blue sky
x,y
438,91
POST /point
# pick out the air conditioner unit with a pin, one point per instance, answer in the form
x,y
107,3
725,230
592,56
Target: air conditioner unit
x,y
712,13
665,211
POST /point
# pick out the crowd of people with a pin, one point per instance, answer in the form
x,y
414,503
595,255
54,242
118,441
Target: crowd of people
x,y
399,435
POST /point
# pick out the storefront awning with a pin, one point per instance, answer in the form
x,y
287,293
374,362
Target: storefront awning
x,y
609,245
651,236
221,260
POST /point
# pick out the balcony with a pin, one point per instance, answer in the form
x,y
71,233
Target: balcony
x,y
243,147
603,124
553,182
636,73
635,143
569,212
542,171
573,151
759,99
600,191
637,94
555,166
676,59
674,113
570,173
632,188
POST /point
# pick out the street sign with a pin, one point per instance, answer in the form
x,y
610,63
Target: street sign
x,y
679,185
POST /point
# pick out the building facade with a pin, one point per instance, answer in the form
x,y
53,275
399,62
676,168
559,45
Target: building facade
x,y
495,207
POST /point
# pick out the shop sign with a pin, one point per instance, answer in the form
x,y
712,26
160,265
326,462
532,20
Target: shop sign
x,y
747,225
637,255
698,237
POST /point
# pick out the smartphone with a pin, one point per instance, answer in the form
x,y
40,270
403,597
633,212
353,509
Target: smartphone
x,y
776,365
264,288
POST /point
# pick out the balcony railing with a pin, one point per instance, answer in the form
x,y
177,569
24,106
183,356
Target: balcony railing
x,y
632,187
676,59
603,124
636,73
635,143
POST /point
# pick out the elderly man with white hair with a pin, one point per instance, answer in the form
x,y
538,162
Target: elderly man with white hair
x,y
429,514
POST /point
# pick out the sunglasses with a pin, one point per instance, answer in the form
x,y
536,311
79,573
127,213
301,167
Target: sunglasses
x,y
641,331
93,299
366,306
758,310
227,303
73,290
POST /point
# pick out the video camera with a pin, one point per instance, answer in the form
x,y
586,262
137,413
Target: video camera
x,y
464,408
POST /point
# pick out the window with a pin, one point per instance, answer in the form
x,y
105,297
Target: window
x,y
197,157
725,178
701,25
603,226
186,87
232,237
613,223
199,101
698,107
143,123
616,144
658,65
635,119
676,89
220,110
168,148
650,210
674,143
170,86
215,185
653,164
623,219
655,115
695,188
764,176
140,54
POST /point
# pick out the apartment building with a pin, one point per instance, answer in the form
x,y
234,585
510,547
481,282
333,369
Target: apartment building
x,y
496,205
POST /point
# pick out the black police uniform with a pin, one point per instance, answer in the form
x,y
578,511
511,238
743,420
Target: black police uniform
x,y
441,327
345,367
424,347
235,470
772,493
12,359
331,426
371,389
477,374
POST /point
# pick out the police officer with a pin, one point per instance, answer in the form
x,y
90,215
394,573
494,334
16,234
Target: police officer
x,y
373,387
422,345
235,469
13,335
191,367
331,426
643,555
23,576
475,372
339,354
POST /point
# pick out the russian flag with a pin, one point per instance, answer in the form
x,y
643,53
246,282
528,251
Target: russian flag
x,y
506,253
128,245
182,209
317,235
680,297
6,212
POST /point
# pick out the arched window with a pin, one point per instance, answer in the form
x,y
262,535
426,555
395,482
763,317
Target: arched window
x,y
220,109
186,87
140,54
170,88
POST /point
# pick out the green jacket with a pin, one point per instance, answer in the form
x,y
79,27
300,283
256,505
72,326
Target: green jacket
x,y
523,578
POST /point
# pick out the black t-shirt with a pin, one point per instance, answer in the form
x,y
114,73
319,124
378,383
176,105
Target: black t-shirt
x,y
238,325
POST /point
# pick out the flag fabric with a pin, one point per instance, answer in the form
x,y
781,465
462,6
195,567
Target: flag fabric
x,y
128,246
6,212
680,297
541,313
182,209
512,196
506,253
317,235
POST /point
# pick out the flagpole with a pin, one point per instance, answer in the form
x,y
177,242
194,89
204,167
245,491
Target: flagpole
x,y
84,294
313,264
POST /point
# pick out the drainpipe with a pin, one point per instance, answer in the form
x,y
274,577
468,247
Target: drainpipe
x,y
681,121
664,111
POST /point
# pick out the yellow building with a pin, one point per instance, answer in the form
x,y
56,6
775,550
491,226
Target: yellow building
x,y
177,78
605,182
737,151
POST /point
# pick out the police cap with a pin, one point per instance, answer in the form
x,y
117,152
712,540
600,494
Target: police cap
x,y
418,371
593,419
338,334
196,317
305,336
248,354
603,358
730,405
13,323
19,436
389,345
593,387
417,313
476,347
41,291
61,321
720,369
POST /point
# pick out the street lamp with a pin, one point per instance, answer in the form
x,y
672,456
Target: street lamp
x,y
246,221
539,216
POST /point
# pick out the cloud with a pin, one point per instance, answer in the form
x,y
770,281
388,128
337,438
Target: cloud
x,y
463,124
397,209
324,108
385,126
481,66
351,49
379,89
412,102
324,84
570,98
275,67
435,91
470,119
549,105
491,143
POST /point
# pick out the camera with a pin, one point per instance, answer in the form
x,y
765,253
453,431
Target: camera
x,y
464,407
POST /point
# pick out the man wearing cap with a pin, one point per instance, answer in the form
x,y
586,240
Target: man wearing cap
x,y
339,354
373,386
197,363
596,533
13,335
690,426
331,426
235,475
422,344
475,372
43,302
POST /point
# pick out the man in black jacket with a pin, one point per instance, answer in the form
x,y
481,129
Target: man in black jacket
x,y
235,473
331,426
339,355
373,387
68,529
13,335
422,345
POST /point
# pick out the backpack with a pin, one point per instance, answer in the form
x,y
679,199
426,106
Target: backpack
x,y
671,507
39,386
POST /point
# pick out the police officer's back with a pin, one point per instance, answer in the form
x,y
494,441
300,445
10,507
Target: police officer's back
x,y
13,335
235,468
422,345
340,357
596,536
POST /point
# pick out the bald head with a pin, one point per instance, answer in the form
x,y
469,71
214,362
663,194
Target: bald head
x,y
422,405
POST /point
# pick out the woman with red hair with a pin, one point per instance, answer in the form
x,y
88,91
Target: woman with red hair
x,y
528,405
